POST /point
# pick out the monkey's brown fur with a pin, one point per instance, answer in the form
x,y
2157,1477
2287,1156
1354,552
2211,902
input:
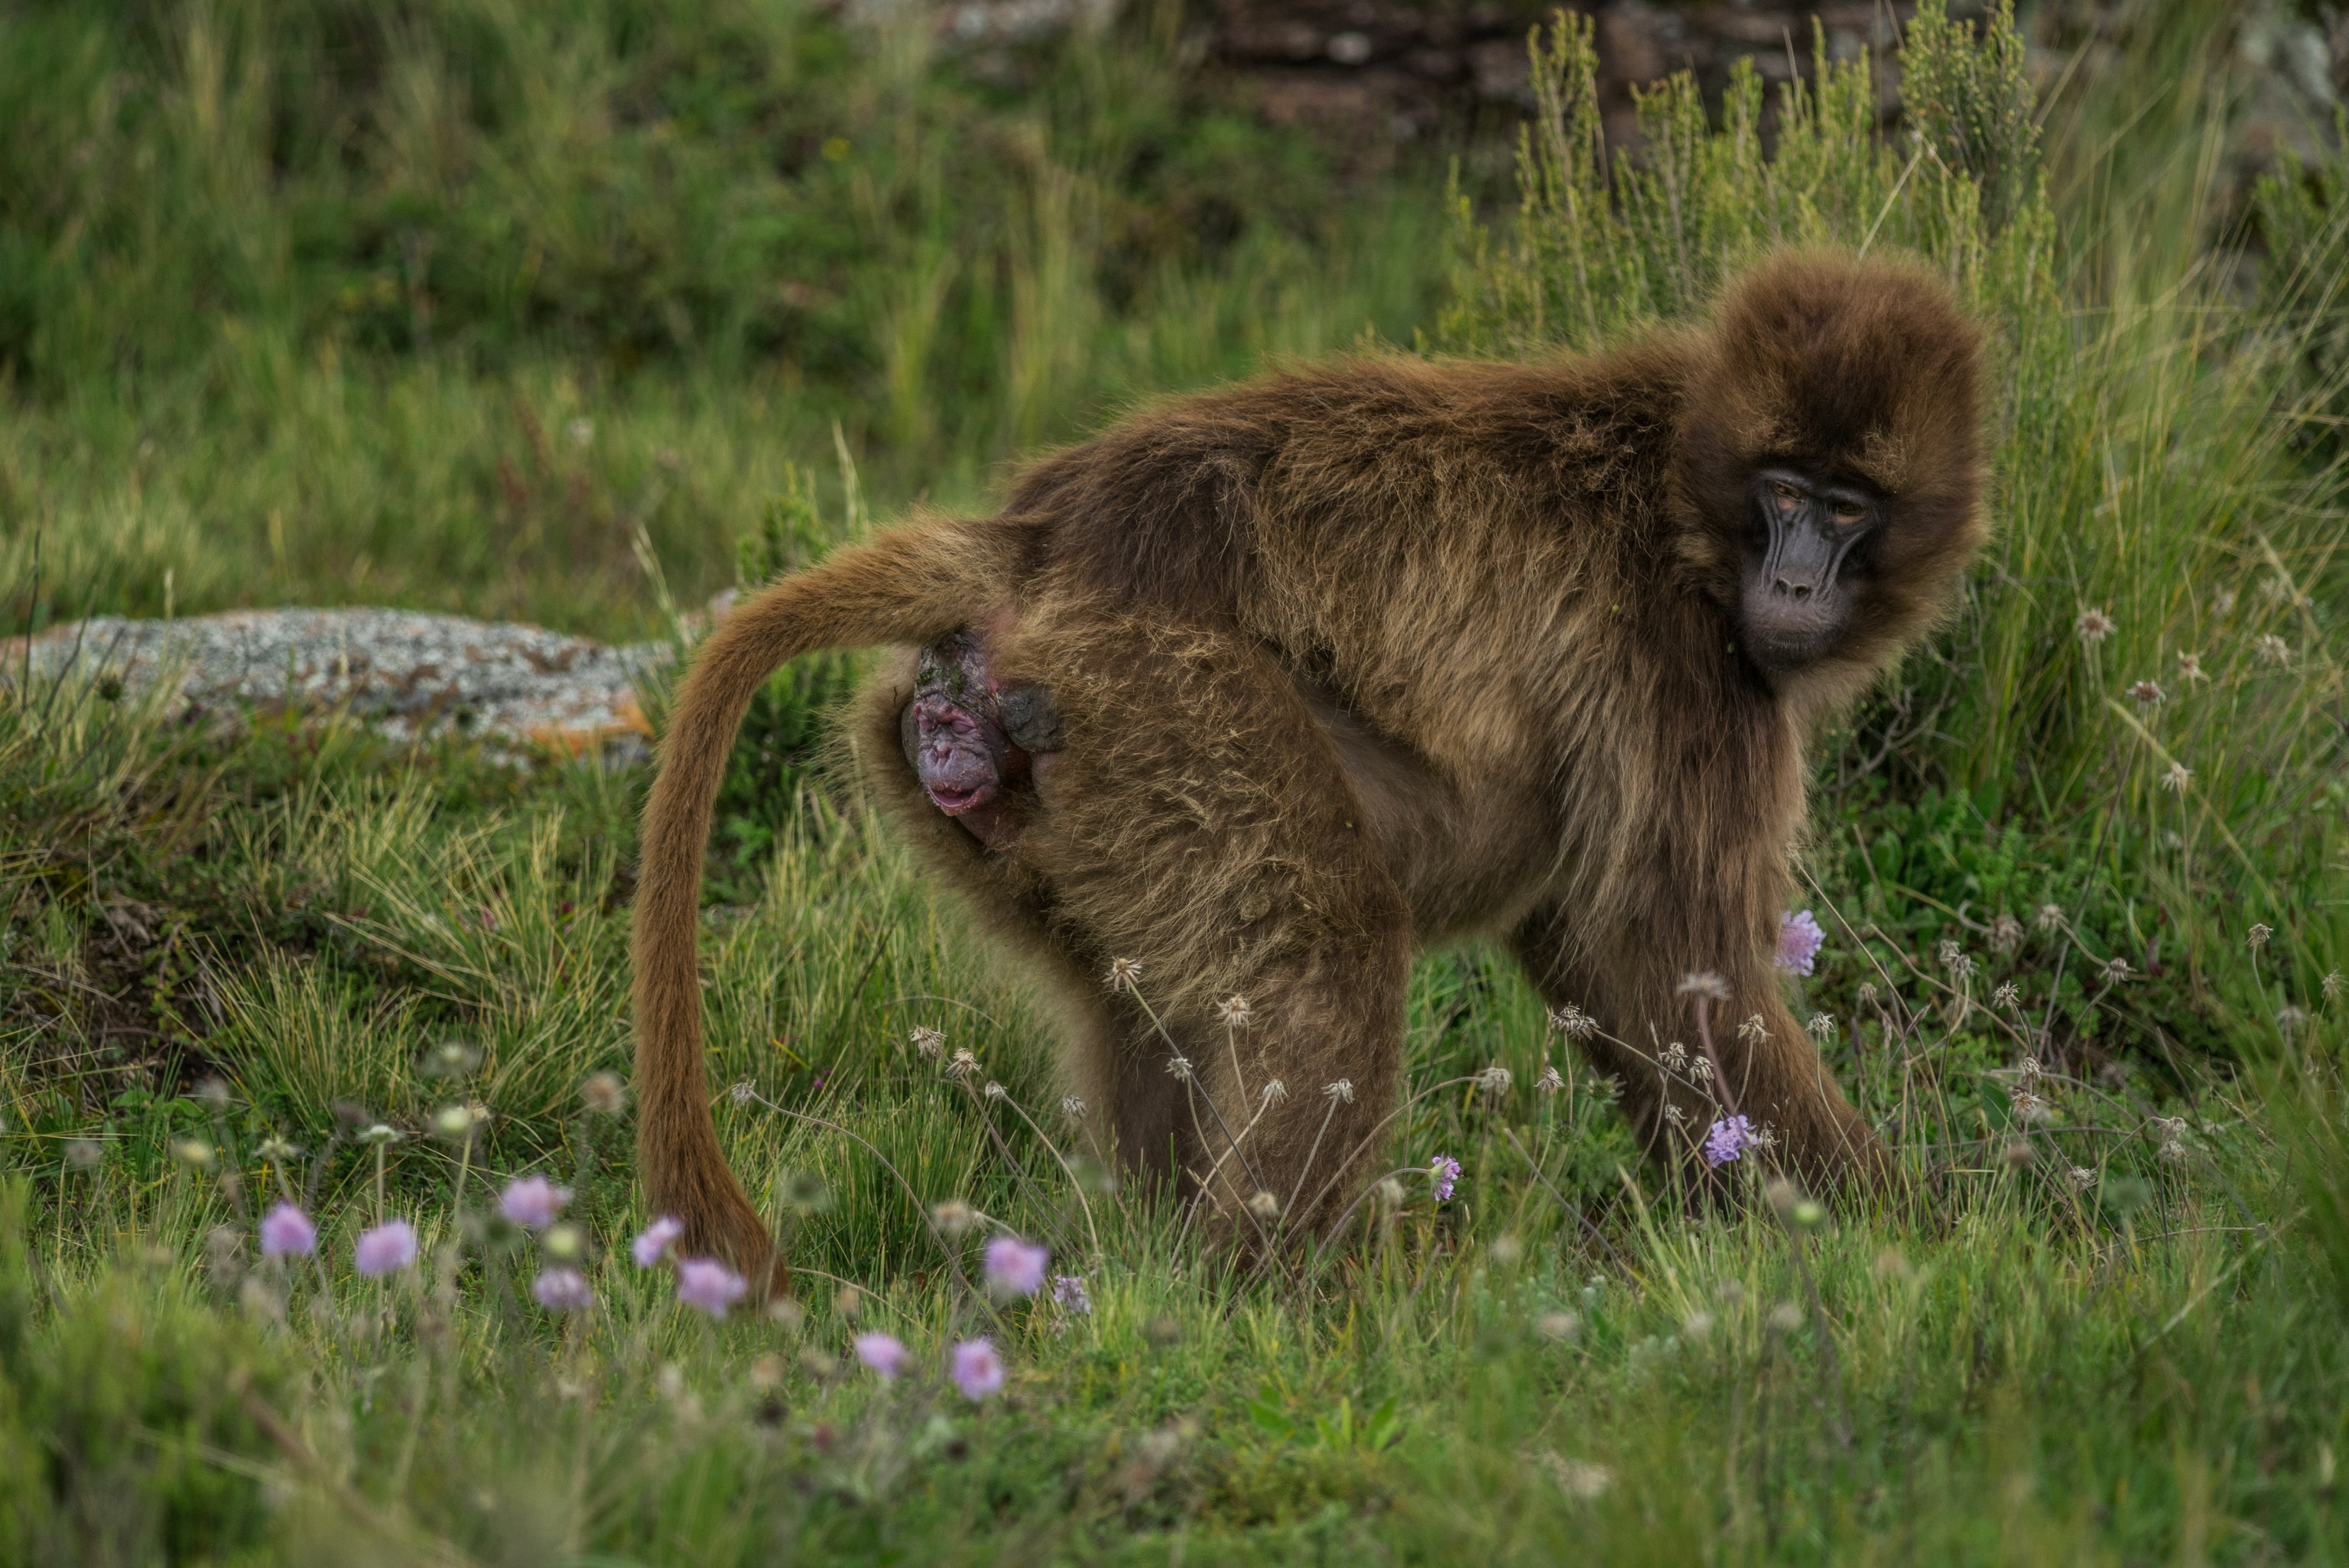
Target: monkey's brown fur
x,y
1360,658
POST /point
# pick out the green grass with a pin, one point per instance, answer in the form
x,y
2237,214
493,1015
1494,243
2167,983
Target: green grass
x,y
441,308
2097,1319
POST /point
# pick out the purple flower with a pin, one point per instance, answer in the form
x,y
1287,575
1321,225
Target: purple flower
x,y
653,1246
1726,1139
533,1202
976,1368
1014,1267
1800,941
386,1249
709,1285
885,1353
1442,1171
563,1290
287,1228
1069,1291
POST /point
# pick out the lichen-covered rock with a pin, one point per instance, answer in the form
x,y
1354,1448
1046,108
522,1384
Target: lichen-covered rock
x,y
407,672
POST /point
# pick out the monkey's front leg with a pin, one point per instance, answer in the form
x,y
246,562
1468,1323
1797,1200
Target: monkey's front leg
x,y
1643,981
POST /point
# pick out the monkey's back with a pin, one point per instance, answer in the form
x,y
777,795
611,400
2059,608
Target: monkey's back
x,y
1398,533
1375,520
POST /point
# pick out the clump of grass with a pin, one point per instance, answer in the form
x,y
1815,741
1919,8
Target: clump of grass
x,y
1519,1348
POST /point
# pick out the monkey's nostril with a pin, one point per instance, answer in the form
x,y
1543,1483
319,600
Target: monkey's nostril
x,y
1794,590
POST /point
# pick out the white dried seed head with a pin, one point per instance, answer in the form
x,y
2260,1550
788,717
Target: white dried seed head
x,y
1557,1325
1705,983
1232,1012
1343,1091
1179,1068
1549,1082
1124,973
1494,1079
928,1043
1275,1091
1572,1022
1821,1028
2093,626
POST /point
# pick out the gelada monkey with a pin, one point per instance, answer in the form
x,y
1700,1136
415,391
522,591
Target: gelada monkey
x,y
1266,689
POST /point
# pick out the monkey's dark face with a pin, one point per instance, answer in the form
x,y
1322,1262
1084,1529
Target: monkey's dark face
x,y
1798,585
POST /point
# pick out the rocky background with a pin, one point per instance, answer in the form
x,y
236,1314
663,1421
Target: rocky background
x,y
1373,74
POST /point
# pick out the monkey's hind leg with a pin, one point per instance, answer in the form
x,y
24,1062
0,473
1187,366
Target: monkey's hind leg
x,y
1198,827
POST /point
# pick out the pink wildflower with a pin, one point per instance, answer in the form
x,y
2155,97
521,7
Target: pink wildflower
x,y
386,1249
654,1243
1442,1171
1069,1291
1014,1267
1727,1139
885,1353
1800,941
709,1285
976,1368
533,1202
287,1230
563,1290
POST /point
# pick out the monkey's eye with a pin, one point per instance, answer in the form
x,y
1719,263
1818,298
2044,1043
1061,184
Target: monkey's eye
x,y
1849,512
1785,498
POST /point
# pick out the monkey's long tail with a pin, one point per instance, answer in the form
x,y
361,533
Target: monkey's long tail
x,y
911,585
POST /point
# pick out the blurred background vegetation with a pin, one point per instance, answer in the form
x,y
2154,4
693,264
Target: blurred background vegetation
x,y
439,305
